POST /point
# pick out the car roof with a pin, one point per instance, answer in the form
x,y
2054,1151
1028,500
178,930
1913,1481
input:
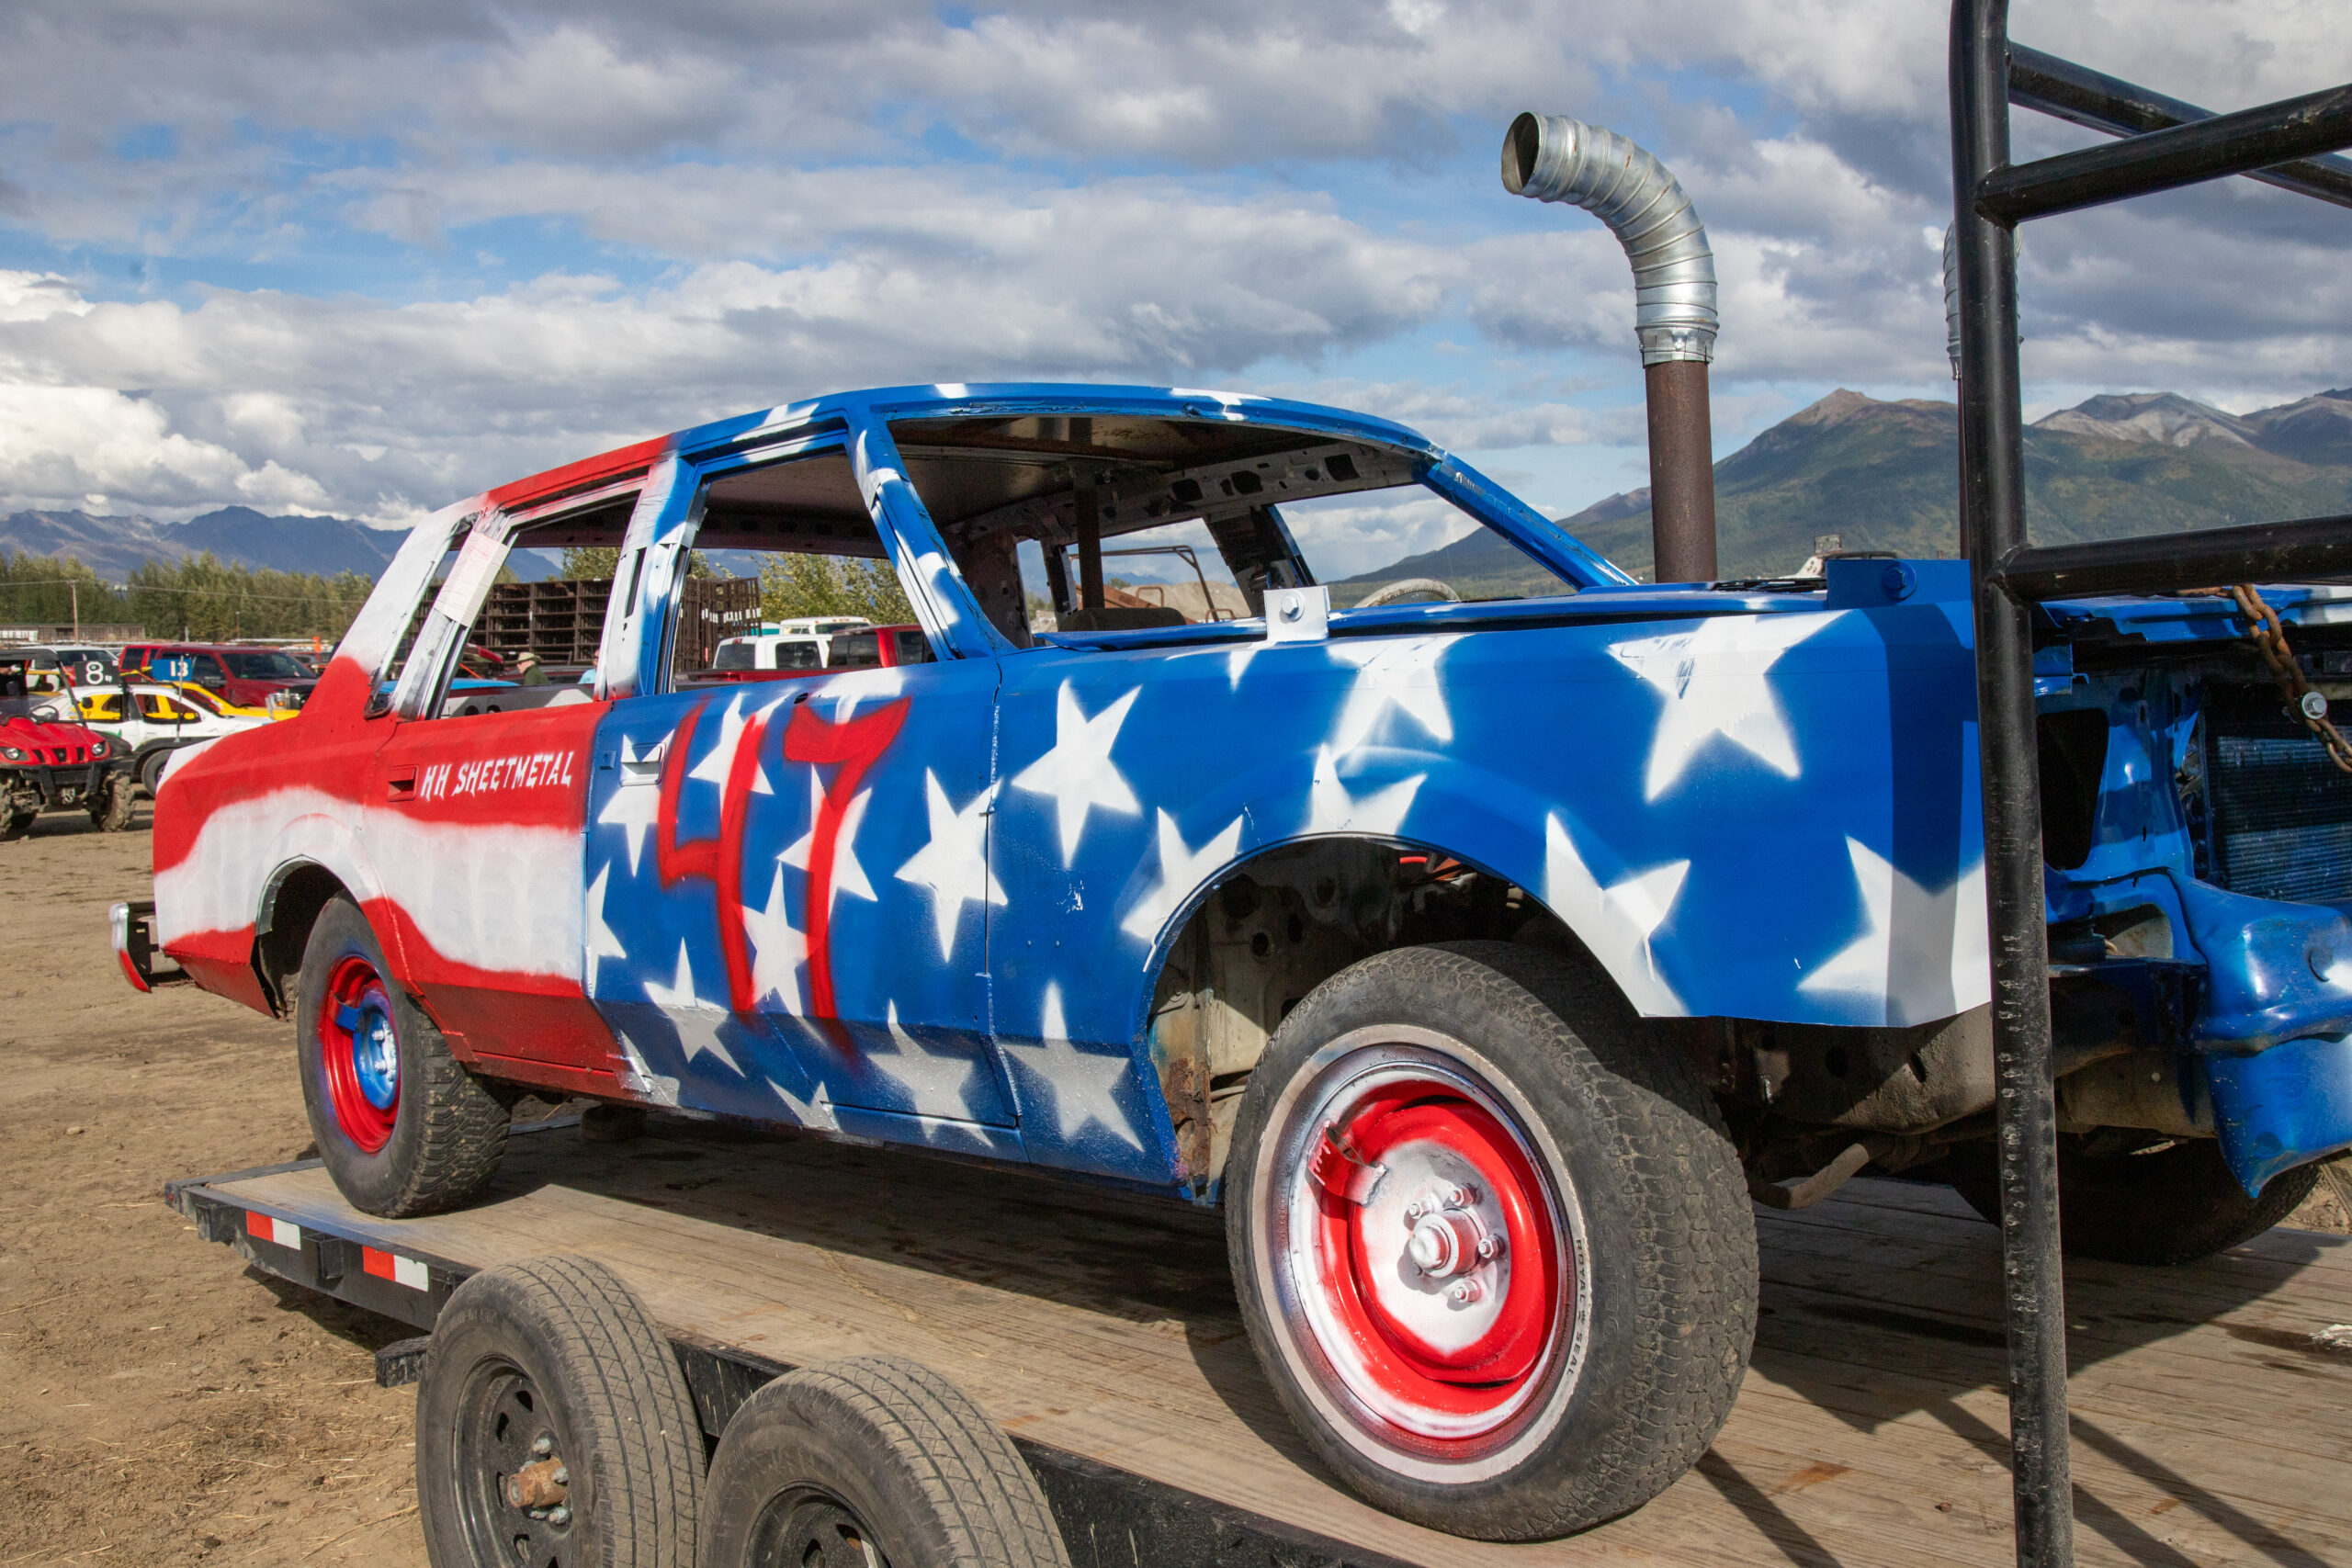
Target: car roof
x,y
969,400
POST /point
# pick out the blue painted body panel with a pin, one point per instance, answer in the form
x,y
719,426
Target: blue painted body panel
x,y
1759,806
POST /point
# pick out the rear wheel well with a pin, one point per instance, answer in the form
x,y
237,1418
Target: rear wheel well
x,y
1272,929
282,929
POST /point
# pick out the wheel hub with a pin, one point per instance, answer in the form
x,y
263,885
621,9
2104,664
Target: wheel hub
x,y
360,1050
1425,1255
515,1495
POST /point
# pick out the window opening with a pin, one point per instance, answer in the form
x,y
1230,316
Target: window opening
x,y
1115,523
788,578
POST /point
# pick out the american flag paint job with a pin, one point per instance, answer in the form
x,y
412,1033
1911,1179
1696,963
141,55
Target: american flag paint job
x,y
929,903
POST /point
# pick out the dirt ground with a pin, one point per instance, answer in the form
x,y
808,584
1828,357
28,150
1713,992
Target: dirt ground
x,y
158,1402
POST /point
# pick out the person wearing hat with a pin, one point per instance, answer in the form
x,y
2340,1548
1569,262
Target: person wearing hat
x,y
532,676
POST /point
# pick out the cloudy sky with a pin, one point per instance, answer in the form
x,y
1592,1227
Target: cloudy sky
x,y
364,259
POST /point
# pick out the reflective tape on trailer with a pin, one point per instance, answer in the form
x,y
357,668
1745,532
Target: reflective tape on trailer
x,y
278,1232
391,1266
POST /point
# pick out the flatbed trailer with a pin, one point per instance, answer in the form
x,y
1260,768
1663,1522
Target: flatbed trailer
x,y
2213,1403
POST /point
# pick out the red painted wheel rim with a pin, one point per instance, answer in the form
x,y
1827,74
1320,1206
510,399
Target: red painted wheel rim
x,y
360,1053
1437,1303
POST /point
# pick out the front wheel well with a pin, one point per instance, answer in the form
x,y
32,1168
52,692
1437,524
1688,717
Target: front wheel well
x,y
289,907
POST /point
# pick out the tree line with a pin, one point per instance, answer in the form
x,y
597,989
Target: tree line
x,y
793,585
202,599
198,598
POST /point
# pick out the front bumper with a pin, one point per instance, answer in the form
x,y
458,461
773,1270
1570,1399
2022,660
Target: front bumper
x,y
56,786
134,946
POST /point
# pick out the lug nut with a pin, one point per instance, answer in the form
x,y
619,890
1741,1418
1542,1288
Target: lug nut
x,y
558,1515
1413,1211
543,1444
1488,1246
562,1476
1464,1292
1460,1197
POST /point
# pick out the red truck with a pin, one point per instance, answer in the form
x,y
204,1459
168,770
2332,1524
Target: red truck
x,y
249,677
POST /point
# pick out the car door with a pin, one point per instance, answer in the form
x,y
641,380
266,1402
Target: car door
x,y
786,871
473,822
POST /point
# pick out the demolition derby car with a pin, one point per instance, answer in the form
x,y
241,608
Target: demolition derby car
x,y
1478,927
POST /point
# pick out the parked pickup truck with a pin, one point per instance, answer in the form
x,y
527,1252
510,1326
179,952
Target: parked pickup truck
x,y
1482,957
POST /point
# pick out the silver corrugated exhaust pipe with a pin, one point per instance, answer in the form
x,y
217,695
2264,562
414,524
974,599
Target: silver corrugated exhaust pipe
x,y
1553,158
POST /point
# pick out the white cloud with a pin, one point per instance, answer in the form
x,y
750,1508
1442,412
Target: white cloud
x,y
718,204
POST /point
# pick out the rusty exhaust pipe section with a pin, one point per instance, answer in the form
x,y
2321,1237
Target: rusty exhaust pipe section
x,y
1553,158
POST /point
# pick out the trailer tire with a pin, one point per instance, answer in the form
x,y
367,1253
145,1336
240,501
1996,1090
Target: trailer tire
x,y
1601,1342
876,1451
559,1349
401,1124
2168,1205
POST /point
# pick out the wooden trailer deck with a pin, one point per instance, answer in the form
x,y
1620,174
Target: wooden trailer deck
x,y
2213,1405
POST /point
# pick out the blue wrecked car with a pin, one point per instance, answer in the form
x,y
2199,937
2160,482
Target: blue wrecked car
x,y
1261,808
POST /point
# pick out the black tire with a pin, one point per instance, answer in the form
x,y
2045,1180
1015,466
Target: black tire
x,y
1653,1227
111,807
15,825
2171,1204
555,1349
151,769
438,1142
875,1451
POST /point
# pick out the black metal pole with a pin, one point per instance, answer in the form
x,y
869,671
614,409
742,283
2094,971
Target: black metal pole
x,y
1993,506
2100,102
2202,150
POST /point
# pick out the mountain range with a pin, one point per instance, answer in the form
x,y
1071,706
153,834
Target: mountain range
x,y
1884,475
238,535
1879,476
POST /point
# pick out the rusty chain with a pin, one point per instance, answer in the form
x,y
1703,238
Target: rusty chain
x,y
2269,639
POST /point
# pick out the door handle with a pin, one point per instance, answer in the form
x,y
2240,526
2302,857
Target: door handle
x,y
644,770
401,785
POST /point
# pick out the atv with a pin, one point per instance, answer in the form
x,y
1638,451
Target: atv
x,y
47,763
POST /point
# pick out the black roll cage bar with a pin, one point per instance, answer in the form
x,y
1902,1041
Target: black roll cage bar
x,y
2165,144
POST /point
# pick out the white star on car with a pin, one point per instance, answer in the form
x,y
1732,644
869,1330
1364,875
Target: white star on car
x,y
1392,673
601,943
933,1080
816,1110
1615,923
778,949
1714,682
1079,773
696,1020
732,723
635,803
1331,809
1181,871
955,865
1924,955
849,876
1084,1085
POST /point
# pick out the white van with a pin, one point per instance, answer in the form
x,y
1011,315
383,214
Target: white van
x,y
803,644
